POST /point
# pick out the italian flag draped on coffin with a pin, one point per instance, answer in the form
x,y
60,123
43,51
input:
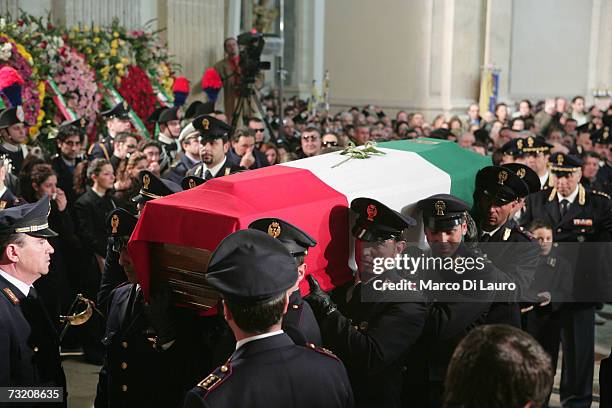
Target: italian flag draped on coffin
x,y
314,194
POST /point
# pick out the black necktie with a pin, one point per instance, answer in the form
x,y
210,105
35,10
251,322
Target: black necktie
x,y
208,175
32,294
485,237
564,207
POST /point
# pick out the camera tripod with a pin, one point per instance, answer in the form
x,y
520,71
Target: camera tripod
x,y
247,99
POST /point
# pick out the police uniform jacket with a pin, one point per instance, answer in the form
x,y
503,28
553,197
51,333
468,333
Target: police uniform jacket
x,y
373,338
604,177
300,323
588,219
8,200
102,149
16,157
65,177
29,343
225,170
275,372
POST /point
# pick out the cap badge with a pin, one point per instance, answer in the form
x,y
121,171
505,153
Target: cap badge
x,y
20,114
114,223
440,206
274,229
3,204
192,183
521,173
519,143
205,124
560,160
606,132
146,180
530,141
371,211
125,105
502,177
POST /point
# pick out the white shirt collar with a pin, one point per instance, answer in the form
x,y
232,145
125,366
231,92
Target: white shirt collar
x,y
215,169
491,233
2,191
10,147
23,287
242,342
570,197
543,179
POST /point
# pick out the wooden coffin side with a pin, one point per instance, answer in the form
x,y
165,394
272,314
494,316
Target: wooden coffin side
x,y
183,269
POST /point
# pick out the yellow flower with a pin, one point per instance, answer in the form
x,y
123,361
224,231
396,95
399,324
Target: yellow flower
x,y
101,55
119,65
71,36
86,29
118,80
114,44
88,50
113,52
125,60
96,39
121,72
96,29
75,29
116,34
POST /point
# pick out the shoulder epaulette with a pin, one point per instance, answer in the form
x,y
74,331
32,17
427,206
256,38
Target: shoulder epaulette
x,y
601,193
11,296
322,350
216,378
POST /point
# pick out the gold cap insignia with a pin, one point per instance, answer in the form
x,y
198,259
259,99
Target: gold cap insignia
x,y
146,180
371,211
560,160
192,183
606,132
3,204
114,223
205,123
440,206
530,141
502,177
519,144
507,233
126,106
521,173
274,229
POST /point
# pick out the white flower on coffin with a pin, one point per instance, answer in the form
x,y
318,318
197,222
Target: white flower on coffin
x,y
6,50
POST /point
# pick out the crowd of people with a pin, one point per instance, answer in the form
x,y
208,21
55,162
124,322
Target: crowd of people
x,y
73,210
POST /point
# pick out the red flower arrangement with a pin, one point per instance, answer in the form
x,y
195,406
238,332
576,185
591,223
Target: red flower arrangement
x,y
136,89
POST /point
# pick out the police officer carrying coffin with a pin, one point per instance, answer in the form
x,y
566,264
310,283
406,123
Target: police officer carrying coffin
x,y
497,197
454,313
372,330
577,216
299,321
214,136
254,274
29,343
140,364
117,121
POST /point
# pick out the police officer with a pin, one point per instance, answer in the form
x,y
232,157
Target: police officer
x,y
254,273
214,136
531,179
189,182
189,140
577,216
299,321
29,343
452,314
70,137
497,195
13,135
169,129
153,187
140,363
601,145
117,121
370,330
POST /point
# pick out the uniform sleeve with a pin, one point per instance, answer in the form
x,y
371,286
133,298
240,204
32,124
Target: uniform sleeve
x,y
5,352
193,399
112,276
379,345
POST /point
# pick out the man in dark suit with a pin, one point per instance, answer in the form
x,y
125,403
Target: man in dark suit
x,y
69,140
254,273
299,321
189,139
497,196
372,331
117,121
243,153
579,219
29,344
214,136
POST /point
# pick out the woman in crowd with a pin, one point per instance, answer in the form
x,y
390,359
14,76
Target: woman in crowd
x,y
91,210
271,153
127,184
